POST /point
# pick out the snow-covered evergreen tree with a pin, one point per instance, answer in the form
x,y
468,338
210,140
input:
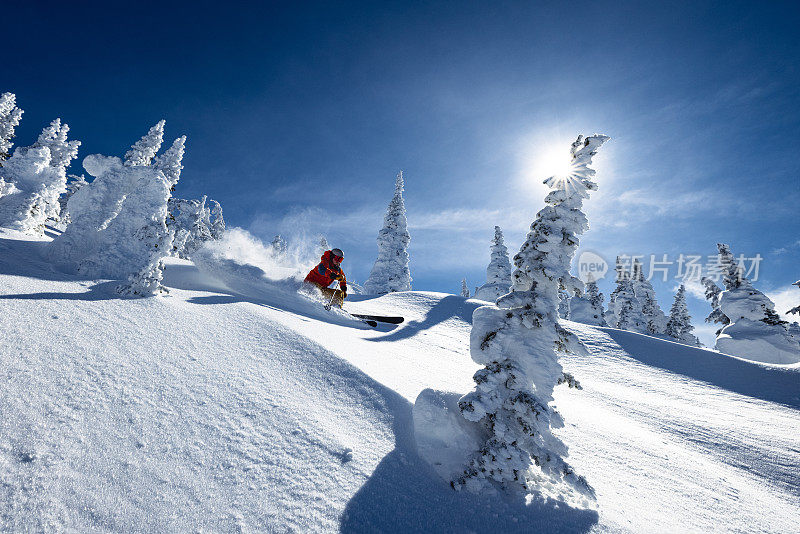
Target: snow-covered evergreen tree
x,y
191,223
624,297
170,162
144,150
653,319
10,115
498,273
39,176
679,326
464,288
73,184
588,308
712,293
217,220
390,272
755,331
118,227
518,342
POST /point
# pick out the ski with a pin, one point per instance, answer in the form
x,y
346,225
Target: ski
x,y
379,318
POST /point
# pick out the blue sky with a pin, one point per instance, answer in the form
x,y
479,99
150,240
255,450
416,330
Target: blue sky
x,y
299,115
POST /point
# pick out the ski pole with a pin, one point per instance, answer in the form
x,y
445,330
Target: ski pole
x,y
330,303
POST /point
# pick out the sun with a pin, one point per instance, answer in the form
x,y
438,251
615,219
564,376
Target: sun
x,y
555,162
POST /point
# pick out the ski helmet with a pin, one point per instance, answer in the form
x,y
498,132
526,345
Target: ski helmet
x,y
338,253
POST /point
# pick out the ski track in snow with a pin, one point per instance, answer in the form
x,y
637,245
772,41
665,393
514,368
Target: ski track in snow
x,y
210,411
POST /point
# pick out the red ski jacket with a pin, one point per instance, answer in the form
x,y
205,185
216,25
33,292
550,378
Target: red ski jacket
x,y
326,272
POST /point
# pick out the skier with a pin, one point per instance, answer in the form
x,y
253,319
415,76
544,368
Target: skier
x,y
328,271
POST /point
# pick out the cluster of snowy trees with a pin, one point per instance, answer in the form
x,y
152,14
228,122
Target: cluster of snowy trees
x,y
751,328
32,178
518,342
122,224
633,304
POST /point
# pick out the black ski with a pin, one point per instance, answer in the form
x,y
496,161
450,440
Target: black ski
x,y
379,318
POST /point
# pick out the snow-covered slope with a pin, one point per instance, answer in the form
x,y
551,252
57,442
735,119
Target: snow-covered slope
x,y
209,410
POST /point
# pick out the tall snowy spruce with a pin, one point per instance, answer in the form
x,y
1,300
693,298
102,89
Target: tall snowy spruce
x,y
712,293
588,308
624,298
755,331
390,272
679,326
498,273
39,177
653,320
518,342
464,288
118,222
10,115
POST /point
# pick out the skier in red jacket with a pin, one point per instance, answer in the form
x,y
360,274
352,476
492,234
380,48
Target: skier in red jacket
x,y
325,273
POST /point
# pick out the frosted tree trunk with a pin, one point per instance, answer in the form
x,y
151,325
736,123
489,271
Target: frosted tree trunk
x,y
518,342
390,272
464,288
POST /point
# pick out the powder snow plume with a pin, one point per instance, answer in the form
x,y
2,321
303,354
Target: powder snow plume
x,y
264,275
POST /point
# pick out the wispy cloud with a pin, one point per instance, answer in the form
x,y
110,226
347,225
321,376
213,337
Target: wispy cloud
x,y
783,250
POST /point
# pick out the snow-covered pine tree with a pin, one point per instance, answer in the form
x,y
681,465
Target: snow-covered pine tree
x,y
588,308
464,288
10,115
118,227
73,184
498,273
390,272
712,292
755,331
623,297
653,319
190,223
217,221
39,175
170,162
679,326
624,321
144,150
518,342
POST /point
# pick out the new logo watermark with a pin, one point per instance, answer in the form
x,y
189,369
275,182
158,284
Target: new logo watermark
x,y
683,267
591,266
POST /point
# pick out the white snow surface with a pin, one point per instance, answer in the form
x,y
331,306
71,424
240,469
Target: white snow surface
x,y
249,409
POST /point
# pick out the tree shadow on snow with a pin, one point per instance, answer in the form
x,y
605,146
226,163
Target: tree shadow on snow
x,y
404,494
746,378
448,307
100,291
